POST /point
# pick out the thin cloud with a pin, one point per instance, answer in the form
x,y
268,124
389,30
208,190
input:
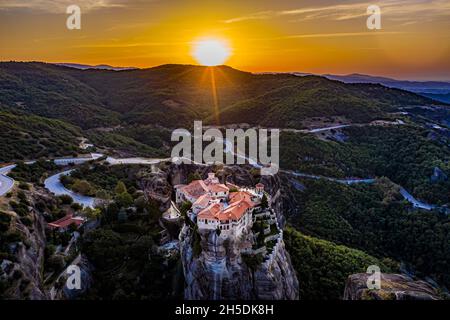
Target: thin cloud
x,y
253,16
130,45
58,6
413,11
340,34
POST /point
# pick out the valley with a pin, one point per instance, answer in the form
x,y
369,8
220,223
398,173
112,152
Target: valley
x,y
363,180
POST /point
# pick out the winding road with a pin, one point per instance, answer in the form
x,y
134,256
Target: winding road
x,y
6,183
406,195
54,185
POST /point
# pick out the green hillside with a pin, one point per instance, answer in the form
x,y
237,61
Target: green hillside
x,y
31,137
404,154
175,95
323,267
375,219
312,96
51,91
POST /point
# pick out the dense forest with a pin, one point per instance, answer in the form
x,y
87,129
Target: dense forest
x,y
336,229
102,179
323,266
175,95
375,219
404,154
26,136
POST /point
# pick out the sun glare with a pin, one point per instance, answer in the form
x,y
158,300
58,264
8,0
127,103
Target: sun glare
x,y
211,52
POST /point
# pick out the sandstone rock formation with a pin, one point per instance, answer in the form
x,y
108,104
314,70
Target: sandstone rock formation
x,y
25,272
219,272
393,287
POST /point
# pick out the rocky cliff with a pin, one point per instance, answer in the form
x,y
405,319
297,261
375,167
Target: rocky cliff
x,y
219,271
23,272
60,291
393,287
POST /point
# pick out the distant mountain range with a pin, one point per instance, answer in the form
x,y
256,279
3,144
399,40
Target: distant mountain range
x,y
437,90
98,67
175,95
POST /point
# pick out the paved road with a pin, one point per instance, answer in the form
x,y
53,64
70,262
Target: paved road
x,y
6,183
344,181
114,161
54,185
416,203
328,128
406,195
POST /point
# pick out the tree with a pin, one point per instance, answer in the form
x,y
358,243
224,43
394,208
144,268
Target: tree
x,y
56,262
91,214
124,199
66,199
193,176
83,187
140,203
196,245
264,202
66,180
185,207
112,211
76,206
120,188
24,186
102,194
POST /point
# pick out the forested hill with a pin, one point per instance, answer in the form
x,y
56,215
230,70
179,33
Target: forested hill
x,y
175,95
25,137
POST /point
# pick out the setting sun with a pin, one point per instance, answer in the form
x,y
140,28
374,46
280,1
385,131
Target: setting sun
x,y
211,52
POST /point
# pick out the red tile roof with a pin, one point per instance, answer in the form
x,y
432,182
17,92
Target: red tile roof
x,y
234,211
218,188
202,201
66,221
240,195
211,211
196,188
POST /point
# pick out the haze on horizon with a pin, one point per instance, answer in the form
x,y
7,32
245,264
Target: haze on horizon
x,y
319,36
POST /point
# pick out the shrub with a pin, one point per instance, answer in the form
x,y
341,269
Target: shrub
x,y
27,221
124,199
56,262
252,261
83,187
65,199
120,188
24,186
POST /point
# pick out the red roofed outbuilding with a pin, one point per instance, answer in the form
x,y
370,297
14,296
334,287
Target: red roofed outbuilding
x,y
66,221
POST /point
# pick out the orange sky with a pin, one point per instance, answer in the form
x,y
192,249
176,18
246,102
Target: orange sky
x,y
307,36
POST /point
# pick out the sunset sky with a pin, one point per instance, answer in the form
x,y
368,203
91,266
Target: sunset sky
x,y
317,36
